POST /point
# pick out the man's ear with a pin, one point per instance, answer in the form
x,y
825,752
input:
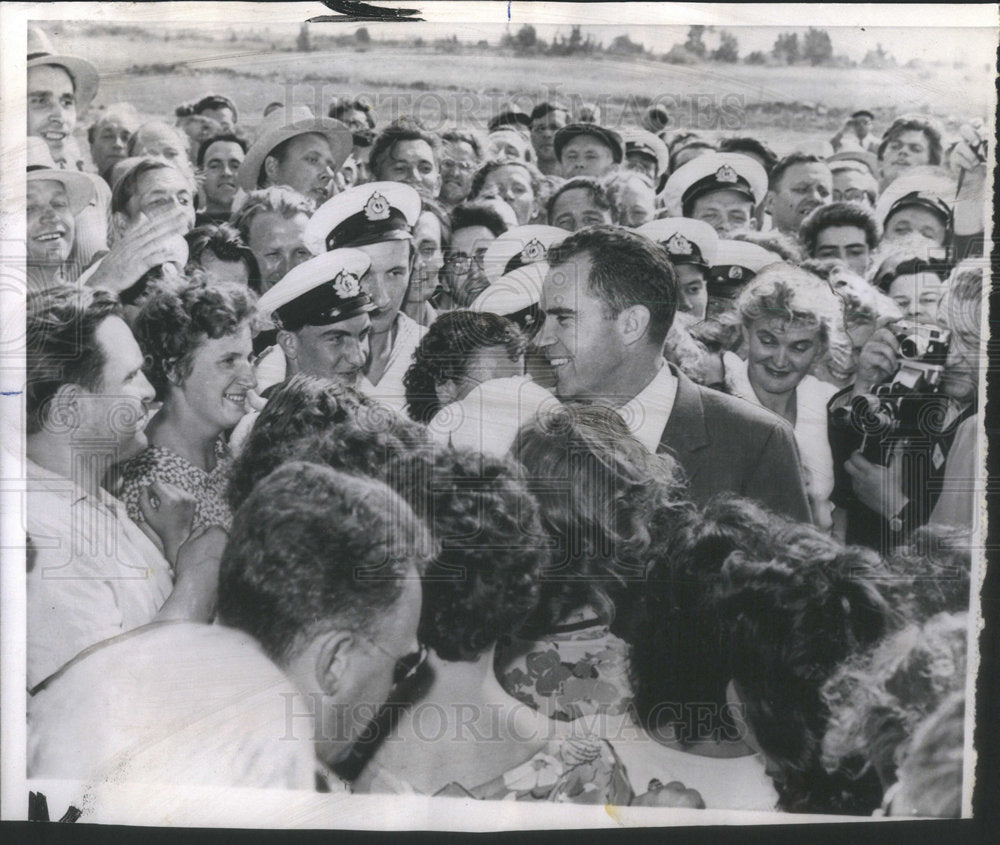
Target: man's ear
x,y
289,344
768,202
64,404
633,323
271,169
333,660
119,225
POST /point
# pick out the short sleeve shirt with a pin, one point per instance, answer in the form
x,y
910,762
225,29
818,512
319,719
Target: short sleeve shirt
x,y
93,574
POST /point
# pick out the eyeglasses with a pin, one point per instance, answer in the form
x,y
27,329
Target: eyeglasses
x,y
461,263
452,164
406,666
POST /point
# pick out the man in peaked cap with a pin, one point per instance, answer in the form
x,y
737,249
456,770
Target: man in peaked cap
x,y
919,202
519,247
377,218
587,149
734,266
646,153
515,266
322,315
298,150
691,246
721,189
857,133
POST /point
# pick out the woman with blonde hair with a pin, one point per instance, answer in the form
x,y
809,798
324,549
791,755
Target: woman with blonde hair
x,y
792,322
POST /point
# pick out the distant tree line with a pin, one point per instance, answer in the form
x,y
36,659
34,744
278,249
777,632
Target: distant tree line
x,y
814,47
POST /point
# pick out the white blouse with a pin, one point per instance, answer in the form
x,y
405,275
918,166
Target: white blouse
x,y
811,399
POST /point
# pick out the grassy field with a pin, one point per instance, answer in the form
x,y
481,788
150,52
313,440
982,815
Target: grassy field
x,y
785,106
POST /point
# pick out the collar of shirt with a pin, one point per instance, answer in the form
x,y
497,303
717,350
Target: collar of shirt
x,y
646,414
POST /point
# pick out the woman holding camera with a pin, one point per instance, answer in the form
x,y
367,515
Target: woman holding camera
x,y
923,478
791,322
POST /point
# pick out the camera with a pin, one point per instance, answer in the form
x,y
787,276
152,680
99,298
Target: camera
x,y
922,344
911,405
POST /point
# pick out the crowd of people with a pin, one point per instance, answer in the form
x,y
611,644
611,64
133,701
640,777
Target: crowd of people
x,y
548,460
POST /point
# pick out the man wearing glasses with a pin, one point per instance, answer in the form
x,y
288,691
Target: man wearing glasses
x,y
461,155
474,228
309,647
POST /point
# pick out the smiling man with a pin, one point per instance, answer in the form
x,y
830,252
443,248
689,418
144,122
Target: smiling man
x,y
272,222
53,199
298,151
609,300
219,158
96,574
406,152
322,315
57,87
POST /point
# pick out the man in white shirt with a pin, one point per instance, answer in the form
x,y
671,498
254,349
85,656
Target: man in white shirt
x,y
609,299
94,573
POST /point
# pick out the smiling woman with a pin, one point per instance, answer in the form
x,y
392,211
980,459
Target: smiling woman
x,y
792,321
197,343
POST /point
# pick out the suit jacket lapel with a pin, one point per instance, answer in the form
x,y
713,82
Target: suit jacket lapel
x,y
685,432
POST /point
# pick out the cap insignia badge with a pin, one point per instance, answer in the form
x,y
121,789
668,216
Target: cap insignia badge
x,y
736,273
726,174
533,251
346,285
377,207
679,245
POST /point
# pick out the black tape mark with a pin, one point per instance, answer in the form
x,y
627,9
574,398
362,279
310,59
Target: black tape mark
x,y
349,11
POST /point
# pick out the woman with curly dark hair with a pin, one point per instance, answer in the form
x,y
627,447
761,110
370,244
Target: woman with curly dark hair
x,y
788,624
467,382
311,418
460,350
197,341
598,488
688,729
464,735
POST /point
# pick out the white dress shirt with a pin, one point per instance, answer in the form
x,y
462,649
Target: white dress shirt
x,y
646,413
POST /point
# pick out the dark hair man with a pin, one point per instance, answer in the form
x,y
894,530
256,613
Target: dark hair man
x,y
609,300
842,230
96,573
406,152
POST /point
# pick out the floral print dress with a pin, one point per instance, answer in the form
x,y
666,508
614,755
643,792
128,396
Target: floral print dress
x,y
579,669
208,488
575,770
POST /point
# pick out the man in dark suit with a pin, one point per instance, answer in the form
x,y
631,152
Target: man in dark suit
x,y
609,299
